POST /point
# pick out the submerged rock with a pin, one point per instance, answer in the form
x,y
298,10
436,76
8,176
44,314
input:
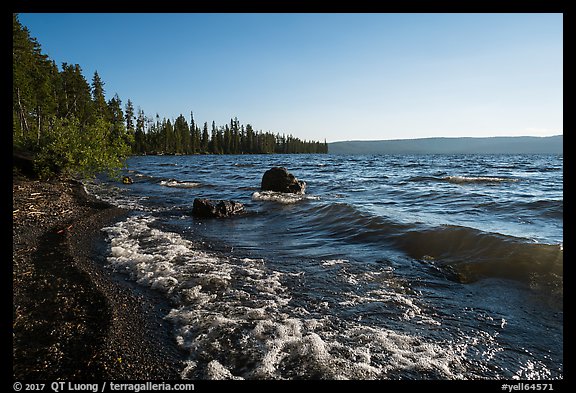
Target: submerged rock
x,y
280,180
216,208
127,180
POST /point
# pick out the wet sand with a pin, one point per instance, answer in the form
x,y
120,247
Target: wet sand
x,y
73,319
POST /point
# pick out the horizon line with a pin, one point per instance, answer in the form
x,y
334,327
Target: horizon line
x,y
449,137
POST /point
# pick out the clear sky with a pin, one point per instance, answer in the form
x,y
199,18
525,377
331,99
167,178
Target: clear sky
x,y
326,76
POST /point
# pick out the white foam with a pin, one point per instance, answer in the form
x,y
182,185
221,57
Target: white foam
x,y
153,257
477,179
332,262
217,371
236,318
406,305
282,197
117,196
532,370
179,184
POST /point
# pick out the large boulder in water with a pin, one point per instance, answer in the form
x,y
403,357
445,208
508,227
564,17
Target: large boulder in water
x,y
216,208
280,180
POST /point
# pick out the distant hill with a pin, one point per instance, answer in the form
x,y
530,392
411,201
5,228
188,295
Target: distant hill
x,y
466,145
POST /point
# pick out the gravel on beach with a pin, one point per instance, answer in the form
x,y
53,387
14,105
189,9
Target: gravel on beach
x,y
73,319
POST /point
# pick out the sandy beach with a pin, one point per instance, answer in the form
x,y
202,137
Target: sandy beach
x,y
72,318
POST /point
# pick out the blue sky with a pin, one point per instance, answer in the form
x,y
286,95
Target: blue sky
x,y
326,76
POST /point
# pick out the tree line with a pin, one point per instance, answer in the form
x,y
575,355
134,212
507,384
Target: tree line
x,y
69,127
180,137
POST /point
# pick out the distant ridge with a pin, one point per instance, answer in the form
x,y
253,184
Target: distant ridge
x,y
463,145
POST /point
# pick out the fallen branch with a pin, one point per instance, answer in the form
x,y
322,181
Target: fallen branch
x,y
64,229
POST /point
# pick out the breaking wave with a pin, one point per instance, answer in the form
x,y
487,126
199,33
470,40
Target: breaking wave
x,y
236,319
396,267
282,197
179,184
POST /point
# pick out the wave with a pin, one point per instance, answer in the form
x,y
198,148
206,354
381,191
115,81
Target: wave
x,y
548,208
179,184
236,319
471,254
116,196
423,178
477,179
345,222
467,254
171,182
282,197
463,179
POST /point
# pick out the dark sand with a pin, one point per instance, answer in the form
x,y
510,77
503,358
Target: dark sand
x,y
73,319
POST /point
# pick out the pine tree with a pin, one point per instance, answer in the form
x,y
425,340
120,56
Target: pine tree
x,y
98,98
53,115
167,136
182,136
74,95
205,139
250,146
129,115
214,148
116,119
195,138
140,146
34,88
227,140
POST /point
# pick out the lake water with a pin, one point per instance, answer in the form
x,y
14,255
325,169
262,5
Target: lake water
x,y
389,267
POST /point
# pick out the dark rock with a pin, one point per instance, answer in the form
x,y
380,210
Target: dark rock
x,y
280,180
24,162
127,180
218,208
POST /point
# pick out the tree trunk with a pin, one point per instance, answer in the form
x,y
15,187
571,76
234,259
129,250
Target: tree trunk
x,y
22,114
39,124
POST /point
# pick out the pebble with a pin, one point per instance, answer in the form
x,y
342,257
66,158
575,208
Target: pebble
x,y
71,315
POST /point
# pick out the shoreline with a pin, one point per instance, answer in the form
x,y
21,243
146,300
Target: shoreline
x,y
73,319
